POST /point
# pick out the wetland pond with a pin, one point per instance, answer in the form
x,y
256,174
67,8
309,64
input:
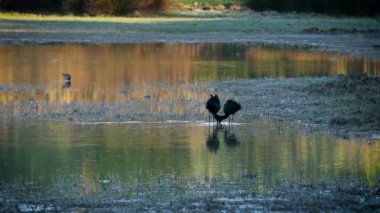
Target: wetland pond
x,y
146,120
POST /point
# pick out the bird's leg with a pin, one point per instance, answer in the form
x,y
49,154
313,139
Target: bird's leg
x,y
209,127
209,122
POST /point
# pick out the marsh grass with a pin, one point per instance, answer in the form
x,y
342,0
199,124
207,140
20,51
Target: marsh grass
x,y
101,18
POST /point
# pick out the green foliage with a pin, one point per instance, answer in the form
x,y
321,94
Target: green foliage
x,y
31,5
92,7
112,7
212,1
123,7
73,6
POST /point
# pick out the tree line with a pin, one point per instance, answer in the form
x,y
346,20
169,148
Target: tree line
x,y
125,7
80,7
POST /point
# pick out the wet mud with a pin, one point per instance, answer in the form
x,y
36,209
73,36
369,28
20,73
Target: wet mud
x,y
174,194
345,106
358,96
316,30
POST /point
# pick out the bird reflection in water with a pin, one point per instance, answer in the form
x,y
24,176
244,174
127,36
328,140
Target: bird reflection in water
x,y
229,138
213,140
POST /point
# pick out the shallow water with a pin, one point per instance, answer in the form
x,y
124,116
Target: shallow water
x,y
111,73
41,153
175,62
140,77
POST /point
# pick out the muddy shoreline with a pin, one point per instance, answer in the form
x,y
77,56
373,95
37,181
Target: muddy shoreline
x,y
175,194
343,106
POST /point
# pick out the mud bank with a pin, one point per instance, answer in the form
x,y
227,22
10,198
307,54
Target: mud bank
x,y
342,105
346,106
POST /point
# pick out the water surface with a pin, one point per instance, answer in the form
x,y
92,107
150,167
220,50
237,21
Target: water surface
x,y
109,73
140,151
115,75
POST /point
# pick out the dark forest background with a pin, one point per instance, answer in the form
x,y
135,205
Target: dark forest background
x,y
332,7
79,7
125,7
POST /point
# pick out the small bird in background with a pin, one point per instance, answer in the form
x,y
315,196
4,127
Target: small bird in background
x,y
213,105
66,76
66,80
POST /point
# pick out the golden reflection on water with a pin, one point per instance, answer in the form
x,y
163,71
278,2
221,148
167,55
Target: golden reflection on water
x,y
144,151
117,73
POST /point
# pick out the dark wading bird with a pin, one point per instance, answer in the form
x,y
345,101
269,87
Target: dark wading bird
x,y
213,105
229,108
